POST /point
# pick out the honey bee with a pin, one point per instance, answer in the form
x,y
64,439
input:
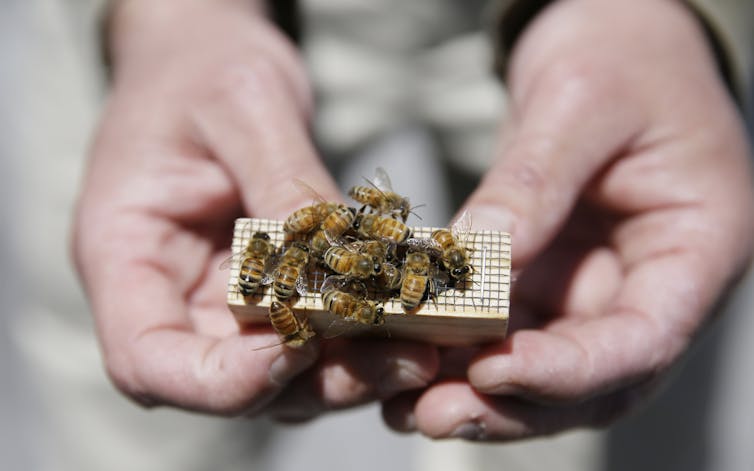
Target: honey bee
x,y
331,230
374,226
308,218
379,195
454,256
350,262
319,243
293,331
290,274
417,280
338,222
379,250
352,308
255,258
390,279
345,283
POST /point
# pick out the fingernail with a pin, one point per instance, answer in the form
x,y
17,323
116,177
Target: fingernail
x,y
495,218
401,375
469,431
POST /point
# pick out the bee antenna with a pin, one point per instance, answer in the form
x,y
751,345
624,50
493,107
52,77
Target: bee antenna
x,y
411,211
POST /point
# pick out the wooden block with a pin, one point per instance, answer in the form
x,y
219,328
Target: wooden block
x,y
473,314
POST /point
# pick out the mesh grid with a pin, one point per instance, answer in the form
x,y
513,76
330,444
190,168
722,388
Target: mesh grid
x,y
485,294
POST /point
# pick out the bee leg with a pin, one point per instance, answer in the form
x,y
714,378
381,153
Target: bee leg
x,y
429,293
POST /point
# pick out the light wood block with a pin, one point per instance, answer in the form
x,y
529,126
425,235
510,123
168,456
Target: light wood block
x,y
472,314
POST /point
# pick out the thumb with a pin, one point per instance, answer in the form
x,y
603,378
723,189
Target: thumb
x,y
550,149
262,137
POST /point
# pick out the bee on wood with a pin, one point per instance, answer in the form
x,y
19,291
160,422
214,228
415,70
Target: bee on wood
x,y
308,218
253,264
418,280
381,251
349,306
293,332
374,226
348,261
290,274
390,279
379,196
337,223
319,243
451,243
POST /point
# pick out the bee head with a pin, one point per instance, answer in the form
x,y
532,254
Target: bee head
x,y
364,264
301,246
456,257
459,273
377,267
261,235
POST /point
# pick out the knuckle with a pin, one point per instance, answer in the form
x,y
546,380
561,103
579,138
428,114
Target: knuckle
x,y
527,171
583,85
122,375
245,84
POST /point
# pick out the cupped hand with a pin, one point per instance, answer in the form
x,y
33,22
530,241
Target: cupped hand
x,y
206,121
623,176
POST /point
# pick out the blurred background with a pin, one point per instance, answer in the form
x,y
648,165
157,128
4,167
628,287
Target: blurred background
x,y
59,412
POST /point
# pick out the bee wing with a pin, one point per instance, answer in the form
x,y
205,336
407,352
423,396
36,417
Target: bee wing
x,y
337,328
265,347
441,281
245,232
354,246
271,263
270,268
308,190
332,239
268,279
382,180
302,284
461,227
374,185
394,270
423,244
357,287
334,282
225,264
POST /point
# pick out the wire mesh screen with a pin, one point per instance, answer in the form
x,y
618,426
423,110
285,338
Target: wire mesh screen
x,y
485,293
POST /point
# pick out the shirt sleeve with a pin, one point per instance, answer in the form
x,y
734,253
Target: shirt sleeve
x,y
726,23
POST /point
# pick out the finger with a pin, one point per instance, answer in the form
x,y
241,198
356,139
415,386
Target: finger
x,y
351,373
138,286
153,355
257,130
576,276
652,319
456,410
557,138
398,411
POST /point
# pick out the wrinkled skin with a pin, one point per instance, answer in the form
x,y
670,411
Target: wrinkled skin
x,y
207,121
623,174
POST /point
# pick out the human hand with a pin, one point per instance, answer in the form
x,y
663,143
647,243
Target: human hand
x,y
206,121
623,176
